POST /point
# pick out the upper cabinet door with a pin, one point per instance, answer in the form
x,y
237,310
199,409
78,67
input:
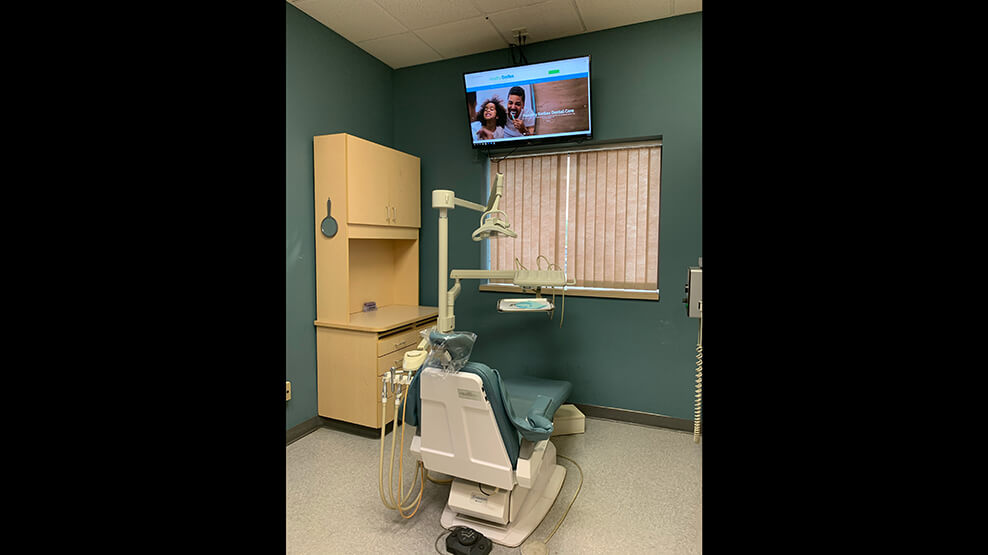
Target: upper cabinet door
x,y
406,197
370,173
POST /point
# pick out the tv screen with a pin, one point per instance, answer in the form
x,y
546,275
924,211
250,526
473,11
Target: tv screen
x,y
529,104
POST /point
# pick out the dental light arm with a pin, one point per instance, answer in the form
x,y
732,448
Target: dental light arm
x,y
490,226
468,204
445,200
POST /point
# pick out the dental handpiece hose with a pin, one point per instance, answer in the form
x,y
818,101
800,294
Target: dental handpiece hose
x,y
398,378
396,384
394,503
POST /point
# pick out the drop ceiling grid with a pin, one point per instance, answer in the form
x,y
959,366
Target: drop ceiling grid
x,y
489,29
404,33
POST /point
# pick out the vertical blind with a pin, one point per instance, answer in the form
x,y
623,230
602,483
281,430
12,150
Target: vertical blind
x,y
594,214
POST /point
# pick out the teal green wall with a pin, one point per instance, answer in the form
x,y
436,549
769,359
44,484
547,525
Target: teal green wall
x,y
629,354
646,81
331,86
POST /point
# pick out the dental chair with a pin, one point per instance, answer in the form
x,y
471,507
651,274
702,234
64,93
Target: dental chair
x,y
491,435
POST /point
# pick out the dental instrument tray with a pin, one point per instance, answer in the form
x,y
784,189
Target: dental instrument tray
x,y
524,305
540,278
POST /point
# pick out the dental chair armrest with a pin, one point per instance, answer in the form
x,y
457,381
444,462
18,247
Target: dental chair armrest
x,y
530,462
542,426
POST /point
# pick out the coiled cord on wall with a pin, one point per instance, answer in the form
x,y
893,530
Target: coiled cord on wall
x,y
699,391
698,403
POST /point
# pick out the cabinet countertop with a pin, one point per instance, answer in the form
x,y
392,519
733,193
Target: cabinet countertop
x,y
384,318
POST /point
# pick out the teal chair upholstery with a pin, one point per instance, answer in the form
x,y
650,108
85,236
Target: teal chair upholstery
x,y
523,407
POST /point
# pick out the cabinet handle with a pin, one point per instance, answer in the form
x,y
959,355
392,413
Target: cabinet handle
x,y
395,208
387,214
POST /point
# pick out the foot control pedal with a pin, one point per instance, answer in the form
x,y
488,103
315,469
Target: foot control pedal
x,y
467,541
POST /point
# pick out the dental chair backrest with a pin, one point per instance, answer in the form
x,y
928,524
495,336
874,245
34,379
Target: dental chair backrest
x,y
461,435
471,421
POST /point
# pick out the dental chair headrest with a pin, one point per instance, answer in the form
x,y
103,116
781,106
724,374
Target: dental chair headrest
x,y
458,344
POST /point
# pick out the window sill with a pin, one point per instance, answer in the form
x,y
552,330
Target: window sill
x,y
575,292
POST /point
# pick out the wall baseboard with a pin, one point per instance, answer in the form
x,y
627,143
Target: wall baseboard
x,y
305,428
356,429
636,417
590,411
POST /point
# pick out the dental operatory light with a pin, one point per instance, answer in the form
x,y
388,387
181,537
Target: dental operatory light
x,y
490,224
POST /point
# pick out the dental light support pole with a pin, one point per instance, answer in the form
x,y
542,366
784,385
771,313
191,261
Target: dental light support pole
x,y
446,320
446,200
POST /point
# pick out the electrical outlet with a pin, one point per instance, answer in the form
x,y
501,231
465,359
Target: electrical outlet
x,y
288,390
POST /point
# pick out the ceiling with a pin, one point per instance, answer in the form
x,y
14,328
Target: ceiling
x,y
404,33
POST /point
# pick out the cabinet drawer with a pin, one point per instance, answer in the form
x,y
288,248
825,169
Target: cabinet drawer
x,y
399,341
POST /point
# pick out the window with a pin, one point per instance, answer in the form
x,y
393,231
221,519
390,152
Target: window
x,y
594,213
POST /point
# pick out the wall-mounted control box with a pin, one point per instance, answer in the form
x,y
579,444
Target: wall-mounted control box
x,y
694,289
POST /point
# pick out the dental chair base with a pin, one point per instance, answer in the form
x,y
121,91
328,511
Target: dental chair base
x,y
503,496
506,517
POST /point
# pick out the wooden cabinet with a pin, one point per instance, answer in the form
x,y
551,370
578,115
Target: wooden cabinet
x,y
351,361
374,193
379,183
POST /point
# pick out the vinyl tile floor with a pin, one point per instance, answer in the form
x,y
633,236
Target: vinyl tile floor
x,y
640,493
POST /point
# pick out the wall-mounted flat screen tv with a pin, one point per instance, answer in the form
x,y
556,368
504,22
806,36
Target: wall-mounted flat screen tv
x,y
529,104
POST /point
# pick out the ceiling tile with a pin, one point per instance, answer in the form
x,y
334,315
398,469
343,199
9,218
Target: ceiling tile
x,y
679,7
463,37
416,14
401,50
494,6
544,21
615,13
354,20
